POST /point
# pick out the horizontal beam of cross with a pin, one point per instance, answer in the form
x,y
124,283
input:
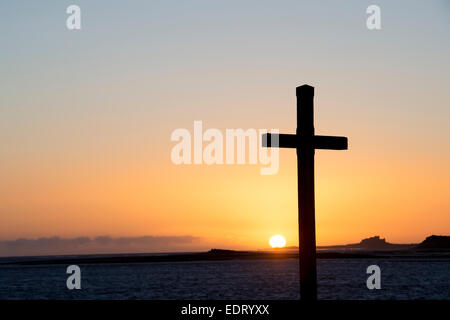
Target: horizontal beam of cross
x,y
296,141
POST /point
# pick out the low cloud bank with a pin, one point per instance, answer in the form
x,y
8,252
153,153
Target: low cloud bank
x,y
101,244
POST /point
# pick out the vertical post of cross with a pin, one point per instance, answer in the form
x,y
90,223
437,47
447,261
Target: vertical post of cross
x,y
305,142
306,210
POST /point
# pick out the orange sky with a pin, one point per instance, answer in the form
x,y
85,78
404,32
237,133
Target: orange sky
x,y
357,195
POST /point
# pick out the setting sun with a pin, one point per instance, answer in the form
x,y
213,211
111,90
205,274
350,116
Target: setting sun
x,y
277,241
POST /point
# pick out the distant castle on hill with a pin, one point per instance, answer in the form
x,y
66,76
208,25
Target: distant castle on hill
x,y
374,243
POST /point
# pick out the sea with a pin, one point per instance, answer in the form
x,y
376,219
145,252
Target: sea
x,y
338,279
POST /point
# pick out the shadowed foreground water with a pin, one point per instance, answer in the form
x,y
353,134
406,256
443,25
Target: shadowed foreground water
x,y
232,279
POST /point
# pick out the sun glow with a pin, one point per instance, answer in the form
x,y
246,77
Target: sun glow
x,y
277,241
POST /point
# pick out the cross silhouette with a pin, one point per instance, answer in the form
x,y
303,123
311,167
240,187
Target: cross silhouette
x,y
305,141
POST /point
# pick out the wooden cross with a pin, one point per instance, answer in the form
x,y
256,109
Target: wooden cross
x,y
306,142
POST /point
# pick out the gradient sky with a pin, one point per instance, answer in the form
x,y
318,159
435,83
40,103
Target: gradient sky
x,y
86,118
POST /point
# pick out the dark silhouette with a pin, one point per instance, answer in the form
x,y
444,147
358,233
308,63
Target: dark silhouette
x,y
348,251
371,244
374,243
305,141
435,242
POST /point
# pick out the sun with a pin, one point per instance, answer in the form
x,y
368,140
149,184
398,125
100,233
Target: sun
x,y
277,241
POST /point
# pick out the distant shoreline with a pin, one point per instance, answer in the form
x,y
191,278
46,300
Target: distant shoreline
x,y
220,255
433,248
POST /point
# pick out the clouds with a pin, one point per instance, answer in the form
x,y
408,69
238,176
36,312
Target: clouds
x,y
100,244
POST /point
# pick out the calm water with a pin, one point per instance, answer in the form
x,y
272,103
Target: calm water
x,y
233,279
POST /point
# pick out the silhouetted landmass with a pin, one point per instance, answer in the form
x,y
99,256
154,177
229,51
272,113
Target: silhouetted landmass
x,y
435,242
373,247
373,243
